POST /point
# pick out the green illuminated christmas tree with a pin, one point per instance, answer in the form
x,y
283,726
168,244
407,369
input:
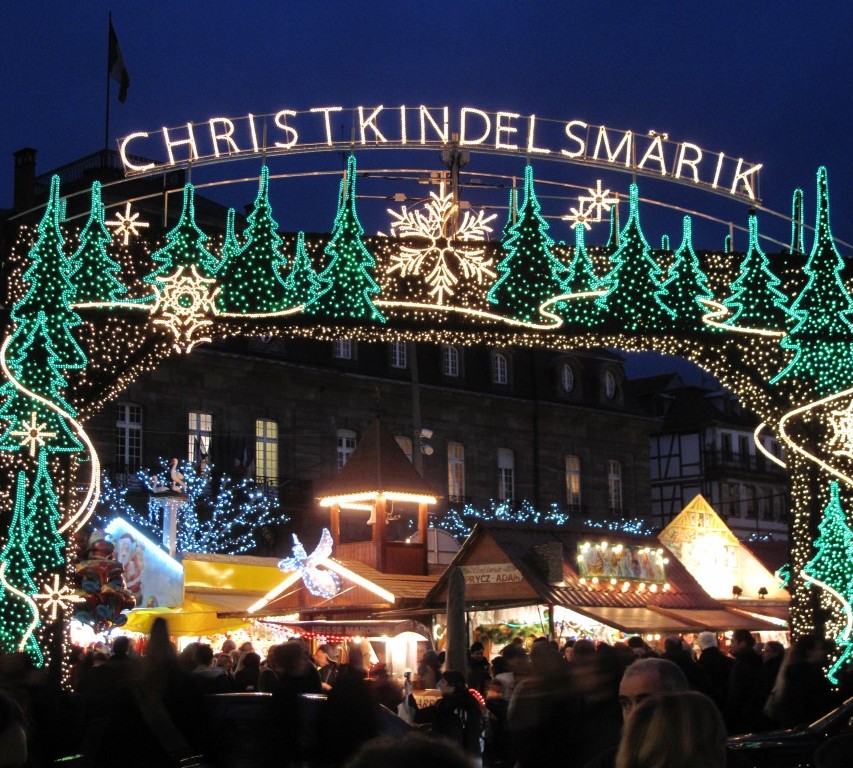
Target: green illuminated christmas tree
x,y
184,248
93,272
46,547
230,245
530,273
687,284
755,301
797,223
50,291
832,566
511,218
613,240
346,283
635,296
581,280
26,422
822,337
19,617
252,279
302,284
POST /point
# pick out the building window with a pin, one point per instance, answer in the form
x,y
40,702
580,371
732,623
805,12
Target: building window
x,y
450,360
405,444
567,378
346,446
128,438
506,474
342,349
573,481
199,434
398,354
500,369
614,486
726,445
749,498
732,501
266,452
455,471
609,385
743,450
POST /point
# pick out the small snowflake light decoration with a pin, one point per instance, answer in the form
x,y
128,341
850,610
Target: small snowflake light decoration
x,y
321,583
578,217
57,597
599,202
445,251
127,224
185,303
32,433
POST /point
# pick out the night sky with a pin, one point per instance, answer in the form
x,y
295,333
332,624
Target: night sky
x,y
766,81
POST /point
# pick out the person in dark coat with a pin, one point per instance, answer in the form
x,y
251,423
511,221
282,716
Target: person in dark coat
x,y
457,715
478,668
327,657
773,654
674,650
716,666
747,691
806,693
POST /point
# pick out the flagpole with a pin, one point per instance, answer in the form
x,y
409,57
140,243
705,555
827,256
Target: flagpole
x,y
107,124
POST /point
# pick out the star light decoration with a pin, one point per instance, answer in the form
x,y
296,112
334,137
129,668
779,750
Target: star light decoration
x,y
32,433
321,583
127,224
446,249
57,597
591,207
185,303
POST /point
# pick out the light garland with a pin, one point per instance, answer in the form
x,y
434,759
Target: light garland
x,y
344,286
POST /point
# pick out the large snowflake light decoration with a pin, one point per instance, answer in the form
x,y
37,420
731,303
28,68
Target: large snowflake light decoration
x,y
579,217
185,304
127,224
447,249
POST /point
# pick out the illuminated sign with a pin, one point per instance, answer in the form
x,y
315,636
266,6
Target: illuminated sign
x,y
601,560
290,131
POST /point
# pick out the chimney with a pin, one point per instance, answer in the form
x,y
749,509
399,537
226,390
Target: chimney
x,y
25,178
548,561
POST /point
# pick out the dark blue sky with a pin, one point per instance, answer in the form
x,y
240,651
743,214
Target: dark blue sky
x,y
766,81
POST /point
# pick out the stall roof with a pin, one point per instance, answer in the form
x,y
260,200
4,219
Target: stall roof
x,y
519,543
635,620
720,619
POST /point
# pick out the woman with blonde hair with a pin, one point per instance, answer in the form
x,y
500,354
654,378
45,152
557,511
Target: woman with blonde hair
x,y
673,730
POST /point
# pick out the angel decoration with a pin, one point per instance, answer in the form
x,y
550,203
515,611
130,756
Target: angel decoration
x,y
321,583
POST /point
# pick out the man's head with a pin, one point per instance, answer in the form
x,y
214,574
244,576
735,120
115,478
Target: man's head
x,y
742,641
476,651
326,654
648,677
707,640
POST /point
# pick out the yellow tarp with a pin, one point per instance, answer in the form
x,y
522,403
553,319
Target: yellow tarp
x,y
193,619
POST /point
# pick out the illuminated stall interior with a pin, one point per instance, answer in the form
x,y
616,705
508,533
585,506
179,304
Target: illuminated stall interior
x,y
723,565
570,583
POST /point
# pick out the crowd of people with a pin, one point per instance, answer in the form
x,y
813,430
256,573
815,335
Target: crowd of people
x,y
586,704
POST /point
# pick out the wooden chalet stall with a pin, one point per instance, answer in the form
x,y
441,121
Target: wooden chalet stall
x,y
379,482
579,582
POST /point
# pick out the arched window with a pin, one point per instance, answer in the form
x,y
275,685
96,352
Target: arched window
x,y
573,481
500,369
450,359
609,385
455,471
567,377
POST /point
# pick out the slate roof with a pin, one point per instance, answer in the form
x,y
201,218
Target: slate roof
x,y
377,464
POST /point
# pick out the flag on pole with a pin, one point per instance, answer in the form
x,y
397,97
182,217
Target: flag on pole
x,y
117,70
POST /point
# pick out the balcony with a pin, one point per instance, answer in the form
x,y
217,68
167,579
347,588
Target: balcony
x,y
729,461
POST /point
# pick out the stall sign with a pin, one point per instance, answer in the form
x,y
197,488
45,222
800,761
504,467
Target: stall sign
x,y
491,573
